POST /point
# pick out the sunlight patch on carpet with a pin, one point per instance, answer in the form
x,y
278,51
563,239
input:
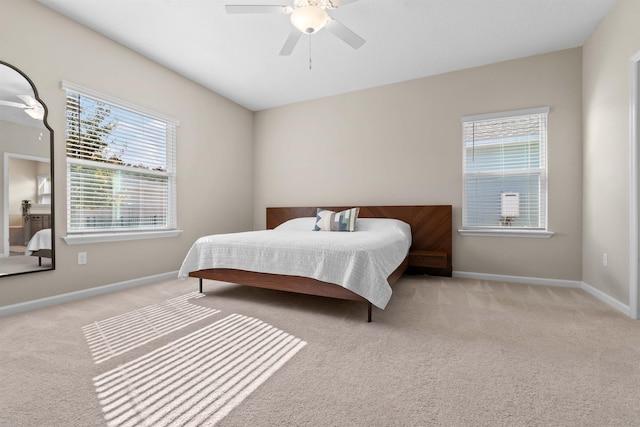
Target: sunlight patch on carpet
x,y
117,335
198,379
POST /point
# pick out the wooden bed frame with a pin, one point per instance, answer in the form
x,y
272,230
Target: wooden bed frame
x,y
41,253
431,230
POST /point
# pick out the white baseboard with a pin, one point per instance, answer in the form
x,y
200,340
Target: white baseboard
x,y
85,293
607,299
519,279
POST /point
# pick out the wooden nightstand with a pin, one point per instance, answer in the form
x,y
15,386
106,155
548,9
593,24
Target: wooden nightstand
x,y
429,262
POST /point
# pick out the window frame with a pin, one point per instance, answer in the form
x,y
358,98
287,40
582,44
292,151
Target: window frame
x,y
509,231
87,236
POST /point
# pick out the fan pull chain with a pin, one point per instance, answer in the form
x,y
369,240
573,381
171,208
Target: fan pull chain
x,y
309,52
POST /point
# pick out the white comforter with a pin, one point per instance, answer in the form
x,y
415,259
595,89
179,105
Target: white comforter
x,y
360,261
40,240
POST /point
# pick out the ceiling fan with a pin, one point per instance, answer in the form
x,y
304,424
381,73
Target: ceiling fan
x,y
307,17
29,104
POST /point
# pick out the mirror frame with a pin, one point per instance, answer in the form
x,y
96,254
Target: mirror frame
x,y
51,171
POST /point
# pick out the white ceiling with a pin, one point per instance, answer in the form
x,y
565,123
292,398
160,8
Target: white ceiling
x,y
237,55
13,84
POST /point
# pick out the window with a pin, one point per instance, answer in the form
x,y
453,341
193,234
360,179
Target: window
x,y
505,171
120,166
44,189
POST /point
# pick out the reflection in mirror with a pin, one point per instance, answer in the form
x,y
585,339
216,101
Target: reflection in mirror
x,y
26,141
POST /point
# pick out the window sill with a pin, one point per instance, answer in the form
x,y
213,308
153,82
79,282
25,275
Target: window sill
x,y
77,239
537,234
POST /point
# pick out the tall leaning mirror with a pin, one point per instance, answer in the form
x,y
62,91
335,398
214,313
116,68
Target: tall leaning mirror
x,y
26,141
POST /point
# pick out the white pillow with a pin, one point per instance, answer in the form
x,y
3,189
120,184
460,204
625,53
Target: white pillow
x,y
362,224
298,224
383,224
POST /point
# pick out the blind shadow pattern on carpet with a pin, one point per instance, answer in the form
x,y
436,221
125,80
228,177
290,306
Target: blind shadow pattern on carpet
x,y
117,335
197,379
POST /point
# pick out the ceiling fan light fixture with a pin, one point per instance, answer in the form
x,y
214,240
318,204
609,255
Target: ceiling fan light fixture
x,y
309,19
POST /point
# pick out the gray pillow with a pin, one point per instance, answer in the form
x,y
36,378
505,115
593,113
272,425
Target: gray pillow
x,y
327,220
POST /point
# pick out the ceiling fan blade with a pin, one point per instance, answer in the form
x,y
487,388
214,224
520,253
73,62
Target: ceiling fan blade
x,y
344,34
258,8
291,42
29,100
35,112
12,104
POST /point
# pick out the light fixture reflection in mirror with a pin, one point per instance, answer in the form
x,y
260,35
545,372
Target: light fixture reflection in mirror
x,y
26,141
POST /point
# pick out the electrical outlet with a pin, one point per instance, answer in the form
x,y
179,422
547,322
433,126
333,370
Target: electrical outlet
x,y
605,259
82,258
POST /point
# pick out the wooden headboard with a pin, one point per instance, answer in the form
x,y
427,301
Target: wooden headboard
x,y
431,230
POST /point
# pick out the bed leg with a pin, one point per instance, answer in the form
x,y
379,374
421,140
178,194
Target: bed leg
x,y
369,312
200,279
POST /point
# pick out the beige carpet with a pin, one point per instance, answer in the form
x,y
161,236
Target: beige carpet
x,y
445,352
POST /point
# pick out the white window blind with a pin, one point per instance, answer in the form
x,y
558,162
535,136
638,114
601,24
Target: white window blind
x,y
120,165
505,170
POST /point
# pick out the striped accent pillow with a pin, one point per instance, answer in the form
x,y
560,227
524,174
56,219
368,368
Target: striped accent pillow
x,y
336,221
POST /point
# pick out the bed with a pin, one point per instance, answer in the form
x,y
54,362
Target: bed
x,y
429,228
40,245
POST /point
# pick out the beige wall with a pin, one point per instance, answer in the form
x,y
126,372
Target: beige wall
x,y
606,95
401,144
23,178
214,144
